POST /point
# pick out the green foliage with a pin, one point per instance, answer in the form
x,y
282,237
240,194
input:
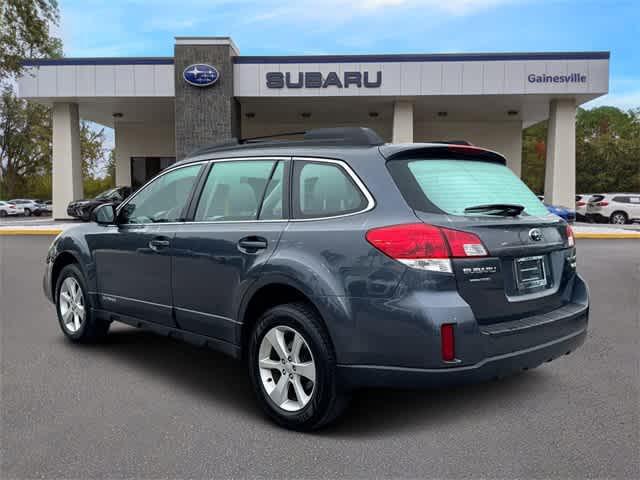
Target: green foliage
x,y
26,151
25,33
607,151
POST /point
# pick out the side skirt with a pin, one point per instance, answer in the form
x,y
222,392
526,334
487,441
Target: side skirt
x,y
189,337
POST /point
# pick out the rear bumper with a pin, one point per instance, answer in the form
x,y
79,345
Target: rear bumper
x,y
355,376
597,218
483,351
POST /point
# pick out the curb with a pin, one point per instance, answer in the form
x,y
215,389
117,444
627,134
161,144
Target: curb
x,y
610,236
23,231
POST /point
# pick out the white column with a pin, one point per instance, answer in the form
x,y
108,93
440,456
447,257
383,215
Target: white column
x,y
67,163
560,173
123,162
402,122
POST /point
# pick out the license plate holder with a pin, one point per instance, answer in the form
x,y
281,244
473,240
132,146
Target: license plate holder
x,y
531,273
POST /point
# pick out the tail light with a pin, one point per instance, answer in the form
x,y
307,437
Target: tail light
x,y
571,239
602,204
580,204
425,247
448,342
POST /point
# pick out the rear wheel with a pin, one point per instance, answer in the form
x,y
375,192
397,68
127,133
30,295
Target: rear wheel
x,y
618,218
73,306
27,212
3,213
293,369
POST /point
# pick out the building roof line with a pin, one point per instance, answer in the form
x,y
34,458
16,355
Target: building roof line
x,y
367,58
39,62
424,57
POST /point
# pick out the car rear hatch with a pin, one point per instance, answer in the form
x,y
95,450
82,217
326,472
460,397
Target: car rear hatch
x,y
507,265
595,204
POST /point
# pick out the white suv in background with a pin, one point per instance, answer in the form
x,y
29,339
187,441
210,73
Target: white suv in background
x,y
618,208
7,209
582,199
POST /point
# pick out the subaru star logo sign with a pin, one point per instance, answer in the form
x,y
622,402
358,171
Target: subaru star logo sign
x,y
535,234
200,75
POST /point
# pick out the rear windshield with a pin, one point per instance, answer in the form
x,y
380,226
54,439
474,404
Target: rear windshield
x,y
453,185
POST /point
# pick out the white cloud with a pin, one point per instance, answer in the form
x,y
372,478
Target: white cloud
x,y
624,101
342,10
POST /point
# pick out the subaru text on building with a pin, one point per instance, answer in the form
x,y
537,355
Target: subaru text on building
x,y
332,263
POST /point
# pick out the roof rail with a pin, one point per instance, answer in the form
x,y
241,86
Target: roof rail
x,y
348,136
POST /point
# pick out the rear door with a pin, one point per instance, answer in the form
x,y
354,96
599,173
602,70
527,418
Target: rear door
x,y
234,228
528,262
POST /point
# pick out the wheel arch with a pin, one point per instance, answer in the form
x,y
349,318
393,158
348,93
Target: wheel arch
x,y
62,260
281,290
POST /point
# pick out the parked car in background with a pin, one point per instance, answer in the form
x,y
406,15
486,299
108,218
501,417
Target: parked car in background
x,y
331,264
82,208
581,206
29,205
567,214
616,208
48,206
7,209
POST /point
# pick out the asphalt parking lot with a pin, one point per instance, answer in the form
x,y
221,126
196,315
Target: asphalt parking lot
x,y
142,406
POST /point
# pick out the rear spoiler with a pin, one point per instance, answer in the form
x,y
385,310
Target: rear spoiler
x,y
440,150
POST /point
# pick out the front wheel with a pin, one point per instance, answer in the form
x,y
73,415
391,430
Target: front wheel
x,y
293,368
73,305
3,213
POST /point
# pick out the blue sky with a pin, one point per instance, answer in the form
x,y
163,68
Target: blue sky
x,y
147,28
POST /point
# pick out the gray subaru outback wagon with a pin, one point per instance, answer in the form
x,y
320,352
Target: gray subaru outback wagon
x,y
331,263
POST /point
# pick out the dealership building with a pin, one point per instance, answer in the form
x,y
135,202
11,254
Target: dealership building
x,y
162,108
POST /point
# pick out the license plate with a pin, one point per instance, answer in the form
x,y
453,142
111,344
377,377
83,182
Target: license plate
x,y
530,272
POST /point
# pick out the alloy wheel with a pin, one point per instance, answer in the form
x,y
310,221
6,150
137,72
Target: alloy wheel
x,y
72,306
619,219
287,368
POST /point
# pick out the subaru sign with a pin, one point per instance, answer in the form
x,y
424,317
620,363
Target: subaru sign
x,y
200,75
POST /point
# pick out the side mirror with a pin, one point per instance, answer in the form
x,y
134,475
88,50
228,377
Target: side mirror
x,y
104,214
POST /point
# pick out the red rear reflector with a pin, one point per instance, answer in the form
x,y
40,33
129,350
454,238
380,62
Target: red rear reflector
x,y
571,239
448,342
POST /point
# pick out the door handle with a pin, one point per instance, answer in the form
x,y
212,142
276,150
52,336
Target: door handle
x,y
252,244
158,244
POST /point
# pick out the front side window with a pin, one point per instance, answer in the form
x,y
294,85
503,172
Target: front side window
x,y
164,199
454,185
325,190
242,190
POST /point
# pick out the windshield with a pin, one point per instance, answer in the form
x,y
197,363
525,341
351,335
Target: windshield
x,y
106,195
454,185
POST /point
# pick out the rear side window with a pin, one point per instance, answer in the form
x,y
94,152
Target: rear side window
x,y
324,190
596,198
453,185
621,199
234,191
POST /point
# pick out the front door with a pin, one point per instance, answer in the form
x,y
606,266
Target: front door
x,y
133,259
235,229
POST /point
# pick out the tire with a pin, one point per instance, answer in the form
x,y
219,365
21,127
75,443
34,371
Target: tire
x,y
27,212
618,218
37,213
3,213
325,399
85,328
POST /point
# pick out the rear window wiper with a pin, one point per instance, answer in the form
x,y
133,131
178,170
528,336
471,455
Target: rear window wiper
x,y
505,209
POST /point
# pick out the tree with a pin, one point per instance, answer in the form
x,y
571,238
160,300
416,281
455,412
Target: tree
x,y
26,150
25,33
607,151
25,142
